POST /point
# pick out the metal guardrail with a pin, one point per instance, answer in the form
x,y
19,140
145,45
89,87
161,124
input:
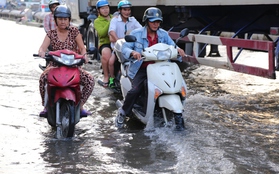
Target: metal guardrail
x,y
25,15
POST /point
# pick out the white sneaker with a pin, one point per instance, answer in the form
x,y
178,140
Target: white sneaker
x,y
120,118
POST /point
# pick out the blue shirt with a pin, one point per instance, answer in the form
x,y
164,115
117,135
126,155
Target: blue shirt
x,y
141,35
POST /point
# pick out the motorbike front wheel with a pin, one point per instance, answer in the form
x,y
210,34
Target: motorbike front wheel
x,y
169,118
67,119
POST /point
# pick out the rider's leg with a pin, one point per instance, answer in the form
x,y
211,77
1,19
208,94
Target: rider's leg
x,y
88,83
134,93
42,84
131,97
106,54
111,70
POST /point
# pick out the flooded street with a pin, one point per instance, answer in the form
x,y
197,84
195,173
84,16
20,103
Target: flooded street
x,y
231,119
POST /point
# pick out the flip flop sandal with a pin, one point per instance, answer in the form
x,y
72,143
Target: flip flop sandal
x,y
84,113
43,113
103,84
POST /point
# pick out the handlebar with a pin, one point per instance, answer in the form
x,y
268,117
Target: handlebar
x,y
47,56
50,58
135,60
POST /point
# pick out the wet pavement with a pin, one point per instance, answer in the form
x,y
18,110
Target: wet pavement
x,y
231,120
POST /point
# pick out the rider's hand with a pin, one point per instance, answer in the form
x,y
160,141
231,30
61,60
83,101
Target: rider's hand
x,y
136,55
181,52
42,54
86,58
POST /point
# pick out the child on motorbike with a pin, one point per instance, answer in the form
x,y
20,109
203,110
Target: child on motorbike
x,y
101,25
148,35
49,23
65,37
120,26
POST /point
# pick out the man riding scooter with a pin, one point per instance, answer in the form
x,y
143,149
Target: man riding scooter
x,y
120,26
49,23
148,35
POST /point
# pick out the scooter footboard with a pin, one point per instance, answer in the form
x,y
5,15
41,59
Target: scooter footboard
x,y
171,102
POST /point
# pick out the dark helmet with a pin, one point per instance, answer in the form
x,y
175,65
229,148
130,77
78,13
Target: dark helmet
x,y
101,3
152,14
51,2
124,4
62,11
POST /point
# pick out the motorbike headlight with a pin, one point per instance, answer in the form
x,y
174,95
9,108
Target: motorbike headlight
x,y
67,59
162,54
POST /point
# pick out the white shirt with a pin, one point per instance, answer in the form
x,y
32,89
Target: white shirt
x,y
121,28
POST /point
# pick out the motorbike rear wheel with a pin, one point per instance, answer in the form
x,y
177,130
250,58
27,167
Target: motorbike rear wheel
x,y
92,40
67,118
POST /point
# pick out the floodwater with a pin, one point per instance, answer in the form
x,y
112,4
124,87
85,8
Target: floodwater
x,y
231,120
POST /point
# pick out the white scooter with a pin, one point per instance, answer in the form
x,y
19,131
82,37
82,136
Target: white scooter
x,y
165,88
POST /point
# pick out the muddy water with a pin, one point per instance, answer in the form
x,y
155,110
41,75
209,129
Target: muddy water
x,y
231,119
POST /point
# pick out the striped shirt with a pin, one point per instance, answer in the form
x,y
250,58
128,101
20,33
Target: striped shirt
x,y
49,23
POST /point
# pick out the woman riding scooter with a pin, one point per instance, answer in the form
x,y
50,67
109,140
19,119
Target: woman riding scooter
x,y
101,25
65,37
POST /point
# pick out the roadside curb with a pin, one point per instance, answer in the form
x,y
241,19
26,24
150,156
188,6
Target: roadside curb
x,y
30,23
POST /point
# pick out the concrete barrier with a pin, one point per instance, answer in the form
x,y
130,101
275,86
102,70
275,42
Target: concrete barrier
x,y
39,16
12,14
28,15
5,14
16,15
25,16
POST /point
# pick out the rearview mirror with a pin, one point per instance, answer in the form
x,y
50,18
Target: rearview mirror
x,y
184,32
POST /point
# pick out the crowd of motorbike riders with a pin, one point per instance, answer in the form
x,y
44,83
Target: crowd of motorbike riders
x,y
110,27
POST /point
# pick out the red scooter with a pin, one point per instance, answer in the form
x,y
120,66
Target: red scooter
x,y
63,91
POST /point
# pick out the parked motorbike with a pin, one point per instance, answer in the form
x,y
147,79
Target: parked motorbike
x,y
162,102
63,91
